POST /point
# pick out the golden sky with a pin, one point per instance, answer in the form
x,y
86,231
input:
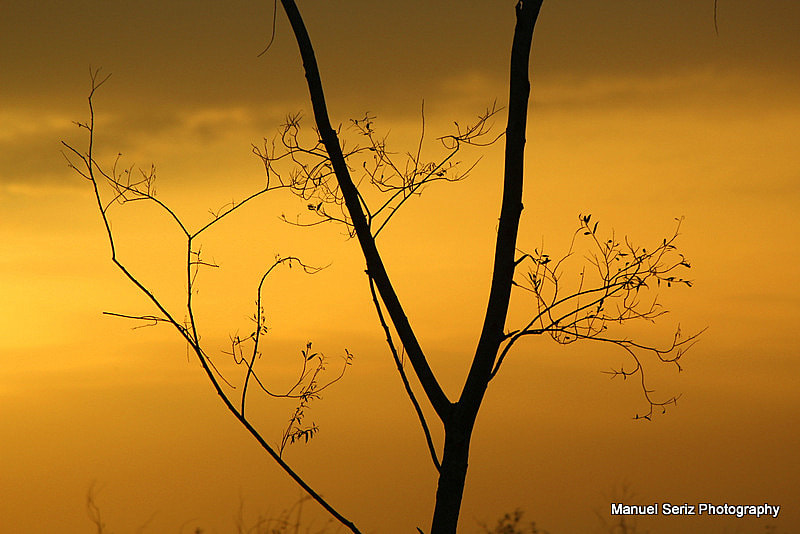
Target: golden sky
x,y
640,114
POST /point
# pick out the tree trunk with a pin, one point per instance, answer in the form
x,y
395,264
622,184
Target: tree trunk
x,y
459,425
452,475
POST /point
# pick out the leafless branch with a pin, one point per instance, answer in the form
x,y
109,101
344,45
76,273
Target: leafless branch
x,y
611,292
91,506
125,189
410,392
393,178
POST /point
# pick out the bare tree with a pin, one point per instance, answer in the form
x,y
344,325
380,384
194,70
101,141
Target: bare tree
x,y
619,524
512,524
609,291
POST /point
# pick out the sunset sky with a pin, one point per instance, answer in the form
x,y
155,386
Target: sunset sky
x,y
640,114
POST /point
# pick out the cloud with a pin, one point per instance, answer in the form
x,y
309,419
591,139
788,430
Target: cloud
x,y
31,150
18,125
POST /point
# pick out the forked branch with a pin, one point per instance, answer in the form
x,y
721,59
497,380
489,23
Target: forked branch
x,y
392,178
359,218
611,290
125,189
404,378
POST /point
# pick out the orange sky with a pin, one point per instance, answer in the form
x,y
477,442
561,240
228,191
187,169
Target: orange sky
x,y
640,114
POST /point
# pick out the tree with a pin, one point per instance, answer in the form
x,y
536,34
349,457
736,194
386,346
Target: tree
x,y
610,289
510,524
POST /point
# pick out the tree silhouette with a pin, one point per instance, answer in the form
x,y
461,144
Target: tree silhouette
x,y
611,288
